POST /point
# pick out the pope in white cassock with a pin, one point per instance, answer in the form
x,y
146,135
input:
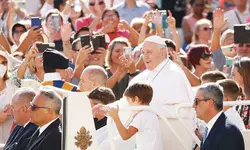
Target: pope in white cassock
x,y
169,82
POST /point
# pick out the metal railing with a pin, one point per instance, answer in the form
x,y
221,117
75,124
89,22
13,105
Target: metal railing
x,y
189,105
165,120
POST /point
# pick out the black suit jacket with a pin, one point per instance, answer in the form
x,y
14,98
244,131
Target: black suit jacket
x,y
223,136
18,136
50,139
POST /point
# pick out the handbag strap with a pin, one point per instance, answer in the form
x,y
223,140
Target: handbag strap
x,y
238,17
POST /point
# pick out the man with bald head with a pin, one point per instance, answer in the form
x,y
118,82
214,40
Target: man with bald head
x,y
44,112
93,76
24,128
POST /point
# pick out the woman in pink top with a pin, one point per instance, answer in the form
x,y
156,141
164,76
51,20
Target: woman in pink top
x,y
113,27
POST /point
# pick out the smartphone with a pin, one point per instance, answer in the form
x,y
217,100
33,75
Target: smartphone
x,y
164,17
229,62
36,21
241,33
229,50
127,51
55,22
85,40
43,46
98,41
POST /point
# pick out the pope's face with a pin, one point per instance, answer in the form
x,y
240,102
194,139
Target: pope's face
x,y
153,55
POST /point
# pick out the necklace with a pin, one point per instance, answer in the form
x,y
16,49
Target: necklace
x,y
156,73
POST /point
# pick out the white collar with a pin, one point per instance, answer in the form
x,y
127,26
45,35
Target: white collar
x,y
211,123
26,124
159,67
41,129
52,76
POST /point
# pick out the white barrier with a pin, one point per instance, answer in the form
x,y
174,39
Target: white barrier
x,y
195,138
165,120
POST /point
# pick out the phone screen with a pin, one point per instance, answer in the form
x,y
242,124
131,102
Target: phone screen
x,y
55,22
36,21
127,51
98,41
85,40
164,23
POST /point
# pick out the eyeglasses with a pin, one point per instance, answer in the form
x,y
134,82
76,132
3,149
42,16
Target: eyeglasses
x,y
4,62
206,56
207,28
33,107
114,16
199,5
93,3
196,100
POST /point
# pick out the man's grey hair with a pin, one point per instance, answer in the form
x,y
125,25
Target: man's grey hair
x,y
24,95
52,100
97,73
215,92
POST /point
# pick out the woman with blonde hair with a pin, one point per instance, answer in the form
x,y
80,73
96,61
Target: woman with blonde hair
x,y
120,67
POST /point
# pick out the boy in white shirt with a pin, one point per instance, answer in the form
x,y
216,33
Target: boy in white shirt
x,y
231,92
144,123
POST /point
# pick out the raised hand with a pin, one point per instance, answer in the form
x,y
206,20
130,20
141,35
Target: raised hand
x,y
84,53
171,21
148,18
218,18
66,32
32,33
32,53
123,25
176,58
157,18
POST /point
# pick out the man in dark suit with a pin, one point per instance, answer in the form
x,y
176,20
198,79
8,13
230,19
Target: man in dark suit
x,y
24,128
44,112
220,134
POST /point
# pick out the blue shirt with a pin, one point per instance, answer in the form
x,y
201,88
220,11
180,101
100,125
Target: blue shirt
x,y
128,14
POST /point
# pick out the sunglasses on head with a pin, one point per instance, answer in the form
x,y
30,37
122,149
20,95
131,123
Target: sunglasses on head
x,y
93,3
207,28
206,56
34,107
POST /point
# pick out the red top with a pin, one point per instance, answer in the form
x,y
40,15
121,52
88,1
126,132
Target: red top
x,y
86,22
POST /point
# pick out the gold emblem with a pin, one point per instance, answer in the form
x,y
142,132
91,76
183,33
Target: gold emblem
x,y
83,139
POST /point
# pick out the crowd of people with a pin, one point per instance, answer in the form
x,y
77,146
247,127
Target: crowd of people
x,y
156,53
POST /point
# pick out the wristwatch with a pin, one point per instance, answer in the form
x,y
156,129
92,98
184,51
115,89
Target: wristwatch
x,y
133,74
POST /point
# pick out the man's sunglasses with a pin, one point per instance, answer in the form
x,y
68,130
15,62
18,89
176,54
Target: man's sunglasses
x,y
206,56
196,100
34,107
93,3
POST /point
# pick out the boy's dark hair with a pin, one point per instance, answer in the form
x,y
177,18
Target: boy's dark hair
x,y
142,90
102,94
18,25
213,76
78,32
230,88
170,43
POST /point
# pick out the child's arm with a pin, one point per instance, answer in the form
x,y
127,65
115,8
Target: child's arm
x,y
124,133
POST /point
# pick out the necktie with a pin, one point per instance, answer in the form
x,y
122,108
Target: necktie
x,y
33,138
205,135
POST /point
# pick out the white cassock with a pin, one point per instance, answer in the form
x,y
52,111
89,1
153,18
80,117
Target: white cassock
x,y
170,86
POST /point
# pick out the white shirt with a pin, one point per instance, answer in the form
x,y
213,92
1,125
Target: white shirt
x,y
44,127
211,123
148,136
32,6
26,124
232,18
167,80
52,76
45,9
234,117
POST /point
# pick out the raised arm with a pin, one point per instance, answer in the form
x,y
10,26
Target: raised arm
x,y
124,133
4,43
66,33
142,35
134,35
218,24
172,27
